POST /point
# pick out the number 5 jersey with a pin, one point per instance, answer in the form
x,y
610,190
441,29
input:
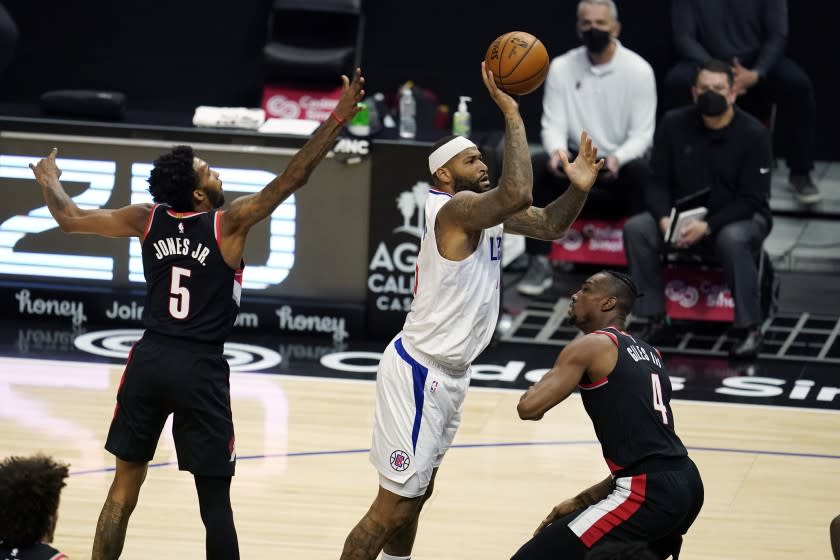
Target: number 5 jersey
x,y
191,291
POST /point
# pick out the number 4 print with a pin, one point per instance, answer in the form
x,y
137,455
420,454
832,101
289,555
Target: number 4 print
x,y
658,401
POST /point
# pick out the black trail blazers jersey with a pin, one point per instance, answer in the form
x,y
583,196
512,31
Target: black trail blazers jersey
x,y
630,408
34,552
191,292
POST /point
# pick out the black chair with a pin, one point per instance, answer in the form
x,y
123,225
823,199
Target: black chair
x,y
312,42
768,282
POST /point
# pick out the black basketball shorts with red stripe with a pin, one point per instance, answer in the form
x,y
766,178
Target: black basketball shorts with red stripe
x,y
653,507
188,379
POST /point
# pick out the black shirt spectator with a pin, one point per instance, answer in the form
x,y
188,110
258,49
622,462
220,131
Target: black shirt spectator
x,y
733,162
713,145
750,35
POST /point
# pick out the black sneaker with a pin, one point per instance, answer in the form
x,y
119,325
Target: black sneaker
x,y
804,189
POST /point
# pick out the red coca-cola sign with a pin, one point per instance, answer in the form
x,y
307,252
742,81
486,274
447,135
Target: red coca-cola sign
x,y
592,241
698,294
282,102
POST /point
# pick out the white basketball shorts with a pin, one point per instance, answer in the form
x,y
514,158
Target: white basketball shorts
x,y
418,410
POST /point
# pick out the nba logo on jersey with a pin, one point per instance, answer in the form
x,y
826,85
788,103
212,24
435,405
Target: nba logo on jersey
x,y
434,386
180,228
399,460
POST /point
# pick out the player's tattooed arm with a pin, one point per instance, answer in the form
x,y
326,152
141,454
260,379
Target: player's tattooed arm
x,y
128,221
551,222
471,211
554,220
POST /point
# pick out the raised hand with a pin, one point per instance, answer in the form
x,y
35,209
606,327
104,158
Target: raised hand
x,y
584,170
351,93
46,171
502,99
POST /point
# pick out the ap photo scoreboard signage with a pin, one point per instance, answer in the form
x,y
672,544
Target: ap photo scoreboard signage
x,y
305,265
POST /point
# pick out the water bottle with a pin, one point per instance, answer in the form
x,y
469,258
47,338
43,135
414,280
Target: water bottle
x,y
408,109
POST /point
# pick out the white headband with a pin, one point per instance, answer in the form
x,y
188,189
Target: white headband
x,y
439,157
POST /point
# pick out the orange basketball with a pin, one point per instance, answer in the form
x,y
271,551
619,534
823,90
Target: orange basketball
x,y
519,62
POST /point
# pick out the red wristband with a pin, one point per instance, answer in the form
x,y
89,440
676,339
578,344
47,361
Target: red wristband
x,y
338,120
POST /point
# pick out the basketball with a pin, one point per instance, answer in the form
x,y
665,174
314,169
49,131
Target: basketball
x,y
519,62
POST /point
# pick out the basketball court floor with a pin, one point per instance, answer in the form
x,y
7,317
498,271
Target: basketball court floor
x,y
764,435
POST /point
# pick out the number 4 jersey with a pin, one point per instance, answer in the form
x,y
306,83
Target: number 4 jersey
x,y
630,408
191,292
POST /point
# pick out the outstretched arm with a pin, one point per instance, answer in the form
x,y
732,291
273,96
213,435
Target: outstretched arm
x,y
472,211
246,211
593,354
554,220
558,383
127,221
590,496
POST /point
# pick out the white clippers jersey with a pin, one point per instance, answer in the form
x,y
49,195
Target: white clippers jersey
x,y
456,303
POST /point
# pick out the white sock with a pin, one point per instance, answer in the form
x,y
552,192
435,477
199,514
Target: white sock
x,y
389,557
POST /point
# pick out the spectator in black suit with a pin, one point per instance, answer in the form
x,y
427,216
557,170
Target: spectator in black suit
x,y
750,35
712,144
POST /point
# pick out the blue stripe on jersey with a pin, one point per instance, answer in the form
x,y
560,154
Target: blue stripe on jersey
x,y
432,191
419,373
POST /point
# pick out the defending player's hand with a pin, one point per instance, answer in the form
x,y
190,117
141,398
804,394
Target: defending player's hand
x,y
502,99
351,93
561,509
46,170
584,170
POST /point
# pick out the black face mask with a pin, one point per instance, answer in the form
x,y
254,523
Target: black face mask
x,y
596,40
711,104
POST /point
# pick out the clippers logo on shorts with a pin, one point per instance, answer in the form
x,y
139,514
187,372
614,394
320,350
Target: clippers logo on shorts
x,y
399,460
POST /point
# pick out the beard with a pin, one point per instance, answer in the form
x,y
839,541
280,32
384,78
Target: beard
x,y
217,198
464,184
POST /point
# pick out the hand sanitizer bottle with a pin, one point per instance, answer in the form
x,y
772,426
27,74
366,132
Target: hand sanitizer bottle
x,y
461,118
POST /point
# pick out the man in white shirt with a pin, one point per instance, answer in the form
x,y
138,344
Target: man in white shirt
x,y
609,91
